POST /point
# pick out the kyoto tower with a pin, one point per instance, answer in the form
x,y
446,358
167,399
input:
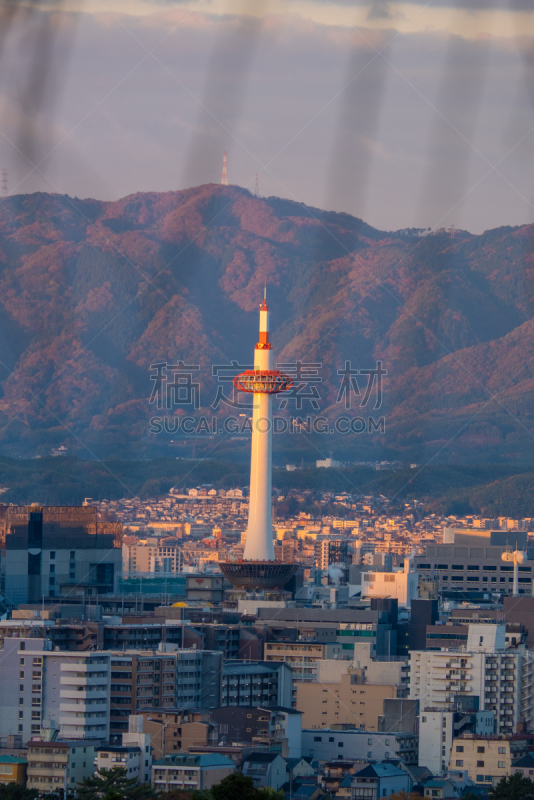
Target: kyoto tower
x,y
258,569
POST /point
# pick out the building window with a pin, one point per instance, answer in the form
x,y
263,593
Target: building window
x,y
502,750
480,763
52,554
481,749
501,764
480,778
459,748
459,763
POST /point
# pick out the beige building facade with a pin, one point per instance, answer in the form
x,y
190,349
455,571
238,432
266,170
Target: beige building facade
x,y
348,702
175,730
487,759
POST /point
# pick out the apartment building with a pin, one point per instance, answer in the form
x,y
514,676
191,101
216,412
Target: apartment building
x,y
186,772
356,745
484,670
40,684
152,557
256,683
167,678
59,765
92,694
349,702
302,656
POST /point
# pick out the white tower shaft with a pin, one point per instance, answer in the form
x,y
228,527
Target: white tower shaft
x,y
259,542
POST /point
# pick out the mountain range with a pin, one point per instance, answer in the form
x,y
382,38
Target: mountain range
x,y
94,294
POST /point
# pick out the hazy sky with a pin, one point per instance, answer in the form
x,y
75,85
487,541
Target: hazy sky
x,y
405,114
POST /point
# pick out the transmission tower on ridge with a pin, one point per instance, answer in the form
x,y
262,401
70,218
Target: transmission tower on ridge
x,y
256,187
224,178
4,183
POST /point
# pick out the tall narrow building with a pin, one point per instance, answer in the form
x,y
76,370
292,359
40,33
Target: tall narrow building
x,y
258,569
224,177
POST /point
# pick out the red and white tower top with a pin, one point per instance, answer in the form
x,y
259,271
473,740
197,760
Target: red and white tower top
x,y
263,379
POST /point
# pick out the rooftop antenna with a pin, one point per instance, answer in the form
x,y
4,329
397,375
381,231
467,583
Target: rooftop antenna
x,y
224,177
4,183
256,187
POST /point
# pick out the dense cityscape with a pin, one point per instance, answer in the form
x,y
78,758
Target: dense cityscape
x,y
315,644
266,400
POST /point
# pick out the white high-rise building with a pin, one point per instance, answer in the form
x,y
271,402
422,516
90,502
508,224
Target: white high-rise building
x,y
483,670
40,685
437,729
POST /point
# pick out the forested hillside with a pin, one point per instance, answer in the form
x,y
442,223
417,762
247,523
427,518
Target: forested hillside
x,y
95,293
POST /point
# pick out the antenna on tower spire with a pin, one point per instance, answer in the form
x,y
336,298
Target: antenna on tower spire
x,y
265,290
224,178
4,183
256,187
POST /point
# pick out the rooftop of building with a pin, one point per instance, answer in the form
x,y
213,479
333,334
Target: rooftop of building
x,y
64,743
12,760
234,666
525,761
382,769
261,758
281,709
202,760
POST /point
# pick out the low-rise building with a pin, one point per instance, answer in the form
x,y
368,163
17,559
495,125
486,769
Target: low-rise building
x,y
58,765
357,745
129,757
379,780
186,772
175,730
525,766
135,754
12,769
265,769
487,759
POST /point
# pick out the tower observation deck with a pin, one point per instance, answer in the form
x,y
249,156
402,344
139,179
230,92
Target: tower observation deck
x,y
258,569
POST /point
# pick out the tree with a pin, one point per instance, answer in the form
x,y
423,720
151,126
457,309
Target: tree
x,y
515,787
111,784
16,791
240,787
235,787
407,796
